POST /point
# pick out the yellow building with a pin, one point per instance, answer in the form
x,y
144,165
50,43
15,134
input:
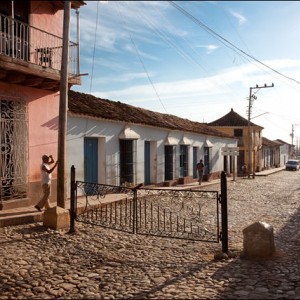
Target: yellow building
x,y
249,136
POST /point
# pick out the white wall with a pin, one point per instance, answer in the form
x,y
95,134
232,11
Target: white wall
x,y
284,154
108,133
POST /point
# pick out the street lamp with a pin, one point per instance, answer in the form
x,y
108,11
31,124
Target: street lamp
x,y
251,99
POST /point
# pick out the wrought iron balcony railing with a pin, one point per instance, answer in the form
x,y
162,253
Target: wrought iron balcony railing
x,y
27,43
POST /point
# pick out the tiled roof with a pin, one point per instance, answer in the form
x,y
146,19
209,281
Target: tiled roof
x,y
74,4
89,105
267,142
282,142
232,119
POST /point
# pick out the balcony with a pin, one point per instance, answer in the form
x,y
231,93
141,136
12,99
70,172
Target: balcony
x,y
32,57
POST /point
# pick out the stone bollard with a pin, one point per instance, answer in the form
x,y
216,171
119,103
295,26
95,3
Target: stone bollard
x,y
258,241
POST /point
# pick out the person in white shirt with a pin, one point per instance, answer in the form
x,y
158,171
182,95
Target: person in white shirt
x,y
46,181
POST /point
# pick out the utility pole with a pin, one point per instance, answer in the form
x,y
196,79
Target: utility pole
x,y
63,104
251,99
292,136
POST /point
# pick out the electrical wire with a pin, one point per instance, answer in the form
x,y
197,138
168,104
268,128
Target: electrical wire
x,y
141,61
181,52
226,42
164,37
94,50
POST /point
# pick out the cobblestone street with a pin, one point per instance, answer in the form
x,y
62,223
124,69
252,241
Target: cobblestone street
x,y
98,263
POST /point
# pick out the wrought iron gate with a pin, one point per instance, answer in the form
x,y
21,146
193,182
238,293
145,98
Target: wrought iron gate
x,y
173,213
13,140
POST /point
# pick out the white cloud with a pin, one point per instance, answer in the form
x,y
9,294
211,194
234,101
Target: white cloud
x,y
203,99
240,17
161,32
136,51
244,76
209,48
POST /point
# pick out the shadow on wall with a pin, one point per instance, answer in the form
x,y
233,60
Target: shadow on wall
x,y
52,124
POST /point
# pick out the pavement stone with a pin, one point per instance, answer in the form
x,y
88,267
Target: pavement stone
x,y
98,263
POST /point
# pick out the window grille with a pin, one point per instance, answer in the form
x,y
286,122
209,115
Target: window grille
x,y
14,149
183,160
207,160
127,162
169,165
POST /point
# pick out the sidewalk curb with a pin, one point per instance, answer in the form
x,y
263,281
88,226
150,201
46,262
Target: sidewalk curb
x,y
26,215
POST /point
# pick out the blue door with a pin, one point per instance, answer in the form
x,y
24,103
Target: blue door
x,y
147,163
91,160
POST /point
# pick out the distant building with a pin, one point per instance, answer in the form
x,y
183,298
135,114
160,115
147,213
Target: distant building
x,y
114,143
234,124
287,151
270,154
275,153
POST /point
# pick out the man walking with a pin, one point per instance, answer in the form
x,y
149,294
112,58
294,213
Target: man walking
x,y
200,170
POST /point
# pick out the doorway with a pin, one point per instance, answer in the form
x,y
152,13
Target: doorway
x,y
91,160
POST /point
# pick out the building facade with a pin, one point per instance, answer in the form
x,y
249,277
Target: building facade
x,y
286,152
270,154
115,143
275,153
30,64
249,136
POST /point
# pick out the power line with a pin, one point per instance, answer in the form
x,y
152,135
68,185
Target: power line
x,y
142,63
225,41
181,52
94,50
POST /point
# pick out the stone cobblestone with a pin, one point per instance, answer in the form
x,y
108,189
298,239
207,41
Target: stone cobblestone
x,y
98,263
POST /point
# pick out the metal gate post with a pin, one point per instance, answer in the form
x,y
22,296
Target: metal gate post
x,y
72,201
135,208
134,217
224,213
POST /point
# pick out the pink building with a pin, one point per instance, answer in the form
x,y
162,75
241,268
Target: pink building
x,y
30,62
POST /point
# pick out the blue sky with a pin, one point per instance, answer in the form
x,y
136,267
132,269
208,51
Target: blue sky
x,y
193,58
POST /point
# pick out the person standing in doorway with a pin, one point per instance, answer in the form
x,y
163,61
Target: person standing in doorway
x,y
46,181
200,170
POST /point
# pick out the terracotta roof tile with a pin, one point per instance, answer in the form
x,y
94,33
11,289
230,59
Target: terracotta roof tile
x,y
282,142
267,142
74,4
232,119
86,104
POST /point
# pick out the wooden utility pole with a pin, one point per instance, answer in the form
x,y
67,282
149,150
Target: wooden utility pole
x,y
251,99
63,105
294,151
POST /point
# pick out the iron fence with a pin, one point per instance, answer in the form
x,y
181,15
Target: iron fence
x,y
172,213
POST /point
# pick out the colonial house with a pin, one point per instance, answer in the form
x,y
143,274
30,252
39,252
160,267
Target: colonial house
x,y
270,154
249,136
114,143
274,153
286,151
30,64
